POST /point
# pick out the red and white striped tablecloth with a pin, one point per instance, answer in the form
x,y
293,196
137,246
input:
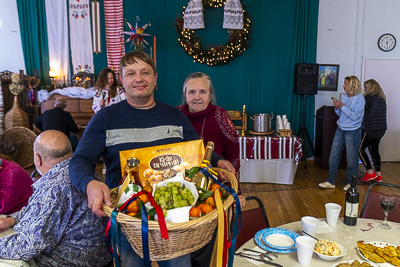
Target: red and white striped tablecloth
x,y
270,147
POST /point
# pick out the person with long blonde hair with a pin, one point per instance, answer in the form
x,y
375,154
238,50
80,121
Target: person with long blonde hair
x,y
108,92
374,127
350,109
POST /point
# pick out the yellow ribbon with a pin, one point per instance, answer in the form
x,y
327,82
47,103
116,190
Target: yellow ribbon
x,y
221,226
124,185
206,165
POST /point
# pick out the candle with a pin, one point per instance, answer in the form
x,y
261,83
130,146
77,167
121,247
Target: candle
x,y
244,108
155,50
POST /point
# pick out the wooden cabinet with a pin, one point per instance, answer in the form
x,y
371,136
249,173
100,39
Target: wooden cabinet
x,y
325,129
80,109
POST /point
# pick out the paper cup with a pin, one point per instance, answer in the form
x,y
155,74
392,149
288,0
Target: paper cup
x,y
309,225
305,248
287,126
332,213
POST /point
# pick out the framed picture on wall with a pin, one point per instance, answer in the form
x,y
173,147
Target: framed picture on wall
x,y
328,77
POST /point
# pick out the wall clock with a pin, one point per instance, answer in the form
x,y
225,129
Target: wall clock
x,y
386,42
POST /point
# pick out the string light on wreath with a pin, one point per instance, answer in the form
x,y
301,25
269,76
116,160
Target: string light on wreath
x,y
215,55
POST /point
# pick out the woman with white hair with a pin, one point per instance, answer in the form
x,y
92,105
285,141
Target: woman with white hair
x,y
211,122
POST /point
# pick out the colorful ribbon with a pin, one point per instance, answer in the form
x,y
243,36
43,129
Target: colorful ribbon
x,y
221,230
237,218
112,233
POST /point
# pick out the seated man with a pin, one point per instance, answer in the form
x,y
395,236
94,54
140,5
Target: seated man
x,y
56,228
58,119
15,187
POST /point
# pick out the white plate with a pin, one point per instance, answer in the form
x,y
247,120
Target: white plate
x,y
351,261
262,235
381,245
279,241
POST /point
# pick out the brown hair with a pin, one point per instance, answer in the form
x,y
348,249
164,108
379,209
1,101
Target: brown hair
x,y
372,87
133,57
101,82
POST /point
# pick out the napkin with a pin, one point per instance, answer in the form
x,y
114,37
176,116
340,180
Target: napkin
x,y
250,253
323,228
18,263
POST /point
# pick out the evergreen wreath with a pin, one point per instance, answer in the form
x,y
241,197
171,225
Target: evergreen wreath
x,y
221,54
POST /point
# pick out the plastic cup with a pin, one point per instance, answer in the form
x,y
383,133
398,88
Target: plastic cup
x,y
305,248
287,126
332,213
309,225
284,117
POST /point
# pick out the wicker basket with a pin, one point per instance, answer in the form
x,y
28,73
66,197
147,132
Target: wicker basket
x,y
23,138
16,117
184,237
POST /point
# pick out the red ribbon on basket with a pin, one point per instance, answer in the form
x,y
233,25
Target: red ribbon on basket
x,y
112,234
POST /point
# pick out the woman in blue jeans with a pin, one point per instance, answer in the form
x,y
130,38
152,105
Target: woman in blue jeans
x,y
350,110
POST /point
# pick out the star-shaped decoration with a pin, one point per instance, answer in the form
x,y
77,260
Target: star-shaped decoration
x,y
136,35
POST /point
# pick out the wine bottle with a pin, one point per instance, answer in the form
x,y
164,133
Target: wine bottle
x,y
351,205
130,183
200,179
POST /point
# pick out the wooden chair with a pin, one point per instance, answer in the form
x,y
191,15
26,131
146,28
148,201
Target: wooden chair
x,y
253,220
238,116
371,207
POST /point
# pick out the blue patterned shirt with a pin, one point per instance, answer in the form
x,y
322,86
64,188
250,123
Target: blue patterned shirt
x,y
56,228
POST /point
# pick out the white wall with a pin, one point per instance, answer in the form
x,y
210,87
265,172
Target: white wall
x,y
12,57
348,31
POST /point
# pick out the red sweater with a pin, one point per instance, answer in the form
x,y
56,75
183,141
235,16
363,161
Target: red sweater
x,y
15,187
214,124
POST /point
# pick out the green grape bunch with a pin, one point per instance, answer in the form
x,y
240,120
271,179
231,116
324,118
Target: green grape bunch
x,y
172,196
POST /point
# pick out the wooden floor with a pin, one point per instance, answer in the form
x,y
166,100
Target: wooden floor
x,y
288,203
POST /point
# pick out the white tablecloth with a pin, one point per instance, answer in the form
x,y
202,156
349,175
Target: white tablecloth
x,y
277,171
269,159
366,229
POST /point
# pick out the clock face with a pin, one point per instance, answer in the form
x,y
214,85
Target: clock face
x,y
386,42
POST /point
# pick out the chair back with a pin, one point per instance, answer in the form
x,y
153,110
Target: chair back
x,y
236,115
253,220
371,207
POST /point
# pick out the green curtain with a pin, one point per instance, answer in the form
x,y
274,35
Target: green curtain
x,y
32,21
283,33
305,36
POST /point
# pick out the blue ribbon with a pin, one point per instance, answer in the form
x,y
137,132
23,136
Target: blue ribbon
x,y
145,237
113,236
145,231
237,223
